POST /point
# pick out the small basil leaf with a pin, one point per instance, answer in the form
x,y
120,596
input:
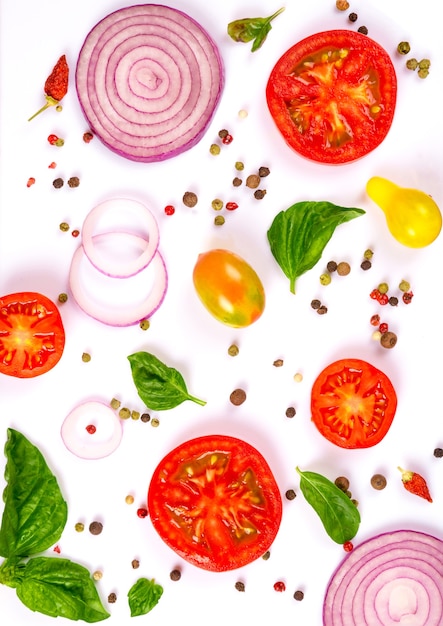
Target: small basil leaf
x,y
159,386
60,588
298,236
339,515
254,29
35,512
143,596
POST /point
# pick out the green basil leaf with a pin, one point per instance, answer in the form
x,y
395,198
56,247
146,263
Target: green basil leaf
x,y
143,596
339,515
254,29
298,236
60,588
159,386
35,512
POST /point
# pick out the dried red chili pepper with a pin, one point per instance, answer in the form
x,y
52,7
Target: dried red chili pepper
x,y
56,85
415,484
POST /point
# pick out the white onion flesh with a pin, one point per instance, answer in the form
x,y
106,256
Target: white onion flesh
x,y
115,216
393,579
103,441
149,79
118,301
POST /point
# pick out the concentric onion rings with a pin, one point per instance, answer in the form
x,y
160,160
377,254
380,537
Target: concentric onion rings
x,y
118,301
96,444
120,212
393,579
149,79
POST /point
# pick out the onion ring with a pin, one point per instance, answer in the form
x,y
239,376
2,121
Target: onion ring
x,y
118,301
392,579
99,443
120,212
148,80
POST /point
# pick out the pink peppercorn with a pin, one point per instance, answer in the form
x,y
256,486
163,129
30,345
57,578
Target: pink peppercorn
x,y
169,209
142,513
279,586
231,206
348,546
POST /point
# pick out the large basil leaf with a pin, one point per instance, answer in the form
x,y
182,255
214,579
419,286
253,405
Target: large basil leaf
x,y
159,386
143,596
35,512
60,588
298,236
339,515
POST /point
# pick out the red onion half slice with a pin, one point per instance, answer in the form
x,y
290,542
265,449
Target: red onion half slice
x,y
118,301
92,430
149,79
393,579
112,216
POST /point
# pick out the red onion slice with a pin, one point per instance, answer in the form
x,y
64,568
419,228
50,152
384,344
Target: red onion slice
x,y
115,215
118,301
149,79
81,439
393,579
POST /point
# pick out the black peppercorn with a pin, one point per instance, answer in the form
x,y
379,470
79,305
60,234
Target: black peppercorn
x,y
353,17
58,183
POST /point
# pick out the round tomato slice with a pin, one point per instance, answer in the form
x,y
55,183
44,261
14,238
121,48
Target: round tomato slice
x,y
32,337
353,403
333,95
215,502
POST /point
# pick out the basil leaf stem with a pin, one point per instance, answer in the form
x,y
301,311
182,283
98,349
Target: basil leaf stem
x,y
253,29
143,596
159,386
338,514
298,236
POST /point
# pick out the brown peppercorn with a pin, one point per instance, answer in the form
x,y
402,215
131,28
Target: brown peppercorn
x,y
331,266
378,481
278,363
259,194
366,264
290,494
135,564
343,268
342,483
363,30
95,528
58,183
175,575
190,199
253,181
322,309
145,417
342,5
263,171
237,181
112,598
237,397
223,133
290,411
315,304
74,181
240,586
388,339
353,17
438,453
299,595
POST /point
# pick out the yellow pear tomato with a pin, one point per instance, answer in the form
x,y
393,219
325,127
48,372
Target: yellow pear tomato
x,y
229,288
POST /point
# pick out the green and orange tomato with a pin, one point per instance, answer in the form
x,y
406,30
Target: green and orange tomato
x,y
229,288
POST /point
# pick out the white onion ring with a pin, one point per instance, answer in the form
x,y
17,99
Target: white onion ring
x,y
103,441
114,215
149,79
393,579
118,301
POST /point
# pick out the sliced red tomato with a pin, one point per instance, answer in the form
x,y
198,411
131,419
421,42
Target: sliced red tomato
x,y
353,403
333,95
32,337
215,502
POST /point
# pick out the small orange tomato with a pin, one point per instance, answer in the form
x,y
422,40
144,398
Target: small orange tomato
x,y
229,288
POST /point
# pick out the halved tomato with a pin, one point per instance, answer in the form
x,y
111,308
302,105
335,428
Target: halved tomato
x,y
353,403
32,337
333,95
215,502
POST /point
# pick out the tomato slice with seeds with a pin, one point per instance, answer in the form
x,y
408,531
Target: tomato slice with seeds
x,y
32,337
353,403
333,96
215,502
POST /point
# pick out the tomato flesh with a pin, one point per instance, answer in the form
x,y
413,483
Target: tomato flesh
x,y
32,336
215,502
353,403
333,96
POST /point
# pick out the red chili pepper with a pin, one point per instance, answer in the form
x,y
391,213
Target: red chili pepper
x,y
56,85
415,484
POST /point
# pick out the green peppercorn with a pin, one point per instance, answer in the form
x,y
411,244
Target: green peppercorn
x,y
214,149
135,415
115,404
423,73
239,166
368,254
424,64
145,324
86,357
219,220
325,278
412,64
79,527
217,204
63,297
64,227
155,422
124,413
383,287
233,350
403,47
404,286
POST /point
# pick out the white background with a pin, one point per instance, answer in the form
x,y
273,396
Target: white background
x,y
35,256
